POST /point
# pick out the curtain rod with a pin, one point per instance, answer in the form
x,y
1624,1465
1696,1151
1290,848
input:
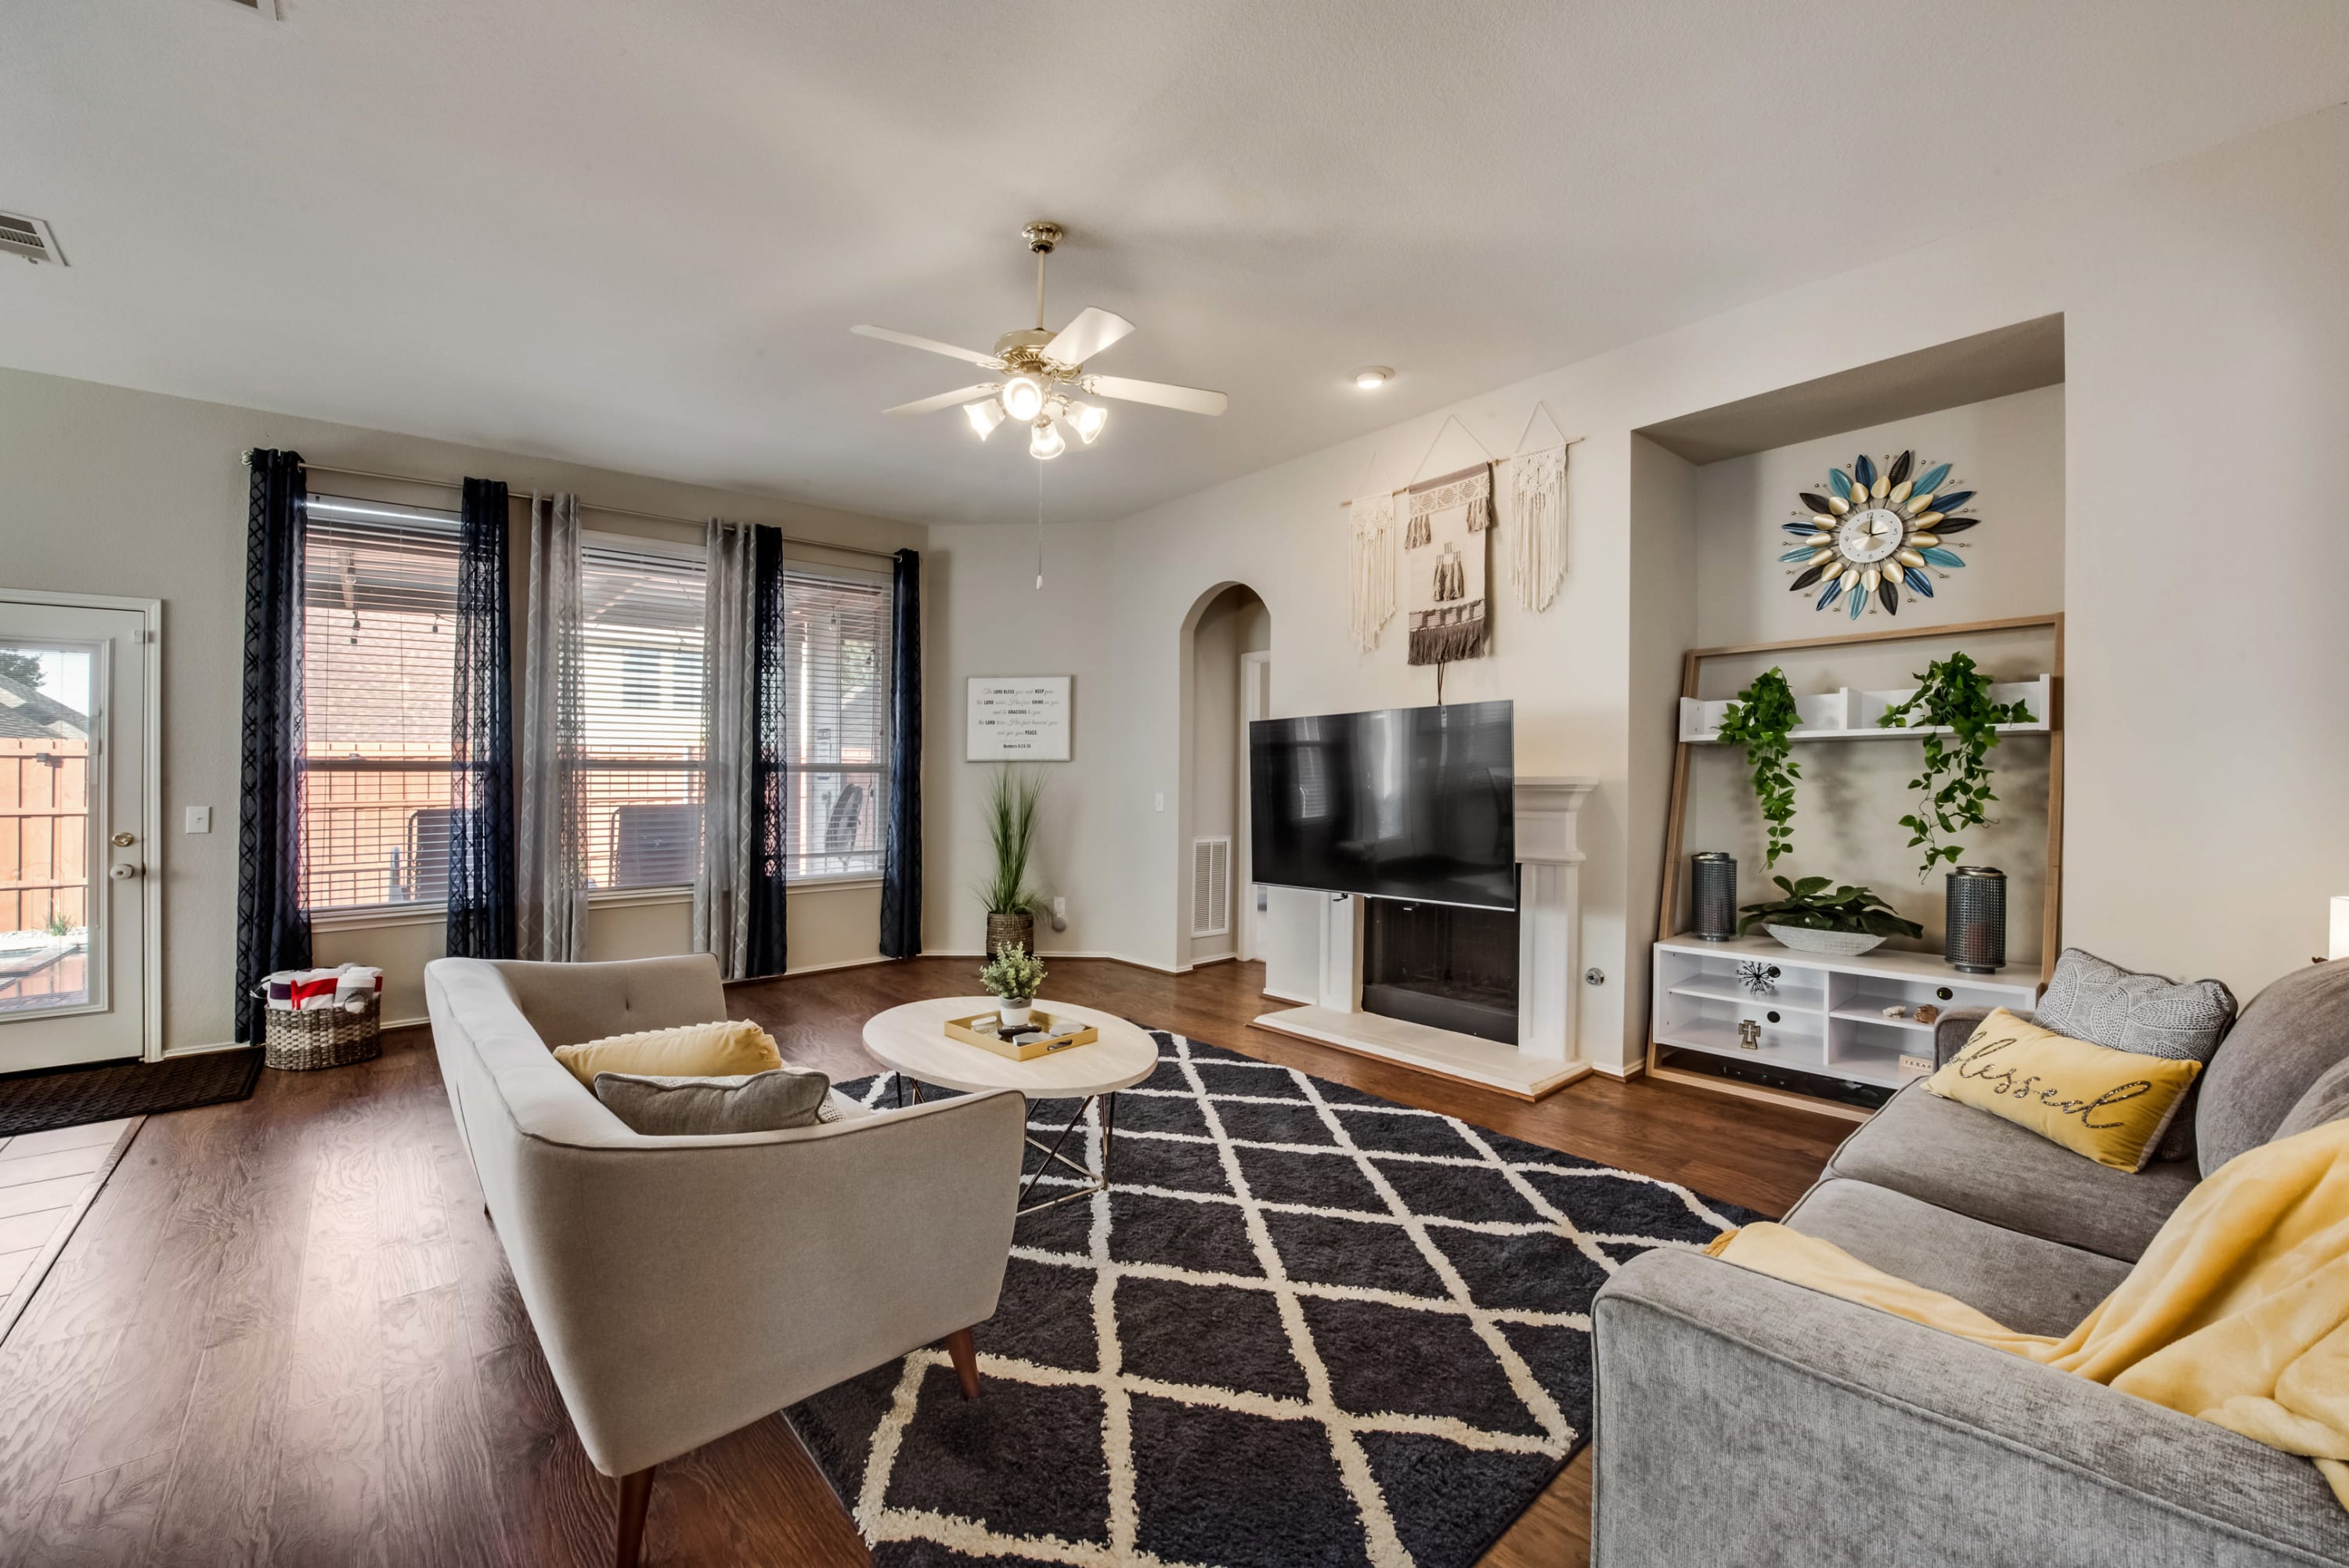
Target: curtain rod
x,y
583,506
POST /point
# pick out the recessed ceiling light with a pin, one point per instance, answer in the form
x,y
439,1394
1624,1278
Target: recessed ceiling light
x,y
1370,377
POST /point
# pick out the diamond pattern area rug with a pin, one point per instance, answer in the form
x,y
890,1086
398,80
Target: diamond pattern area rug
x,y
1306,1326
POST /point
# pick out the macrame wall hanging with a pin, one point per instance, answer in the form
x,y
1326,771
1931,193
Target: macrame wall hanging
x,y
1443,547
1533,501
1372,522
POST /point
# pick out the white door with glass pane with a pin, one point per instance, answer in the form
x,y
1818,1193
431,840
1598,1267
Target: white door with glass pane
x,y
75,926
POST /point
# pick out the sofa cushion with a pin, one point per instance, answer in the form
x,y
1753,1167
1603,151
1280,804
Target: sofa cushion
x,y
692,1050
2289,1035
1957,1157
2023,1283
2111,1107
2152,1015
700,1107
2327,1099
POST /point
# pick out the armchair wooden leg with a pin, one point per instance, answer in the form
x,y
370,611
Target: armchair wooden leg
x,y
635,1491
965,1361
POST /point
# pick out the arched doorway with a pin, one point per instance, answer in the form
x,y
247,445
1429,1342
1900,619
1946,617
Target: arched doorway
x,y
1227,660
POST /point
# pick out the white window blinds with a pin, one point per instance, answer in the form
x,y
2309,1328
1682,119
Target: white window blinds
x,y
378,603
641,771
836,667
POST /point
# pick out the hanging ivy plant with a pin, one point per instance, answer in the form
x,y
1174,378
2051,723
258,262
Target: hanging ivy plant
x,y
1952,693
1758,720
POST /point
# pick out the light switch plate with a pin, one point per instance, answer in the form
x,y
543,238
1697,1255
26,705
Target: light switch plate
x,y
199,819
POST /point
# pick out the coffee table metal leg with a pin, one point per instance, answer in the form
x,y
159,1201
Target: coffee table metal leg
x,y
1098,1179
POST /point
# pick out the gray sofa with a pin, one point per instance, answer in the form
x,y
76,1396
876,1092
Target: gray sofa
x,y
1740,1419
682,1287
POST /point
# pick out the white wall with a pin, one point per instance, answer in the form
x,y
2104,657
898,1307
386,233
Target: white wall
x,y
2008,450
2207,376
113,492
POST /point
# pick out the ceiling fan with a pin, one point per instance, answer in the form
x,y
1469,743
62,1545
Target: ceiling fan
x,y
1044,369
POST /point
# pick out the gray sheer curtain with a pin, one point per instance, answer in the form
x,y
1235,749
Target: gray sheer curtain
x,y
722,892
553,903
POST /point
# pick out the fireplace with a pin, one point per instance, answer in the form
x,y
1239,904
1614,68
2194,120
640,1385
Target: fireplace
x,y
1441,965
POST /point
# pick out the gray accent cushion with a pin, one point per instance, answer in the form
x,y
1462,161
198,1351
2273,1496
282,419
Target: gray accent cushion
x,y
1955,1157
2152,1015
2289,1036
704,1107
2028,1284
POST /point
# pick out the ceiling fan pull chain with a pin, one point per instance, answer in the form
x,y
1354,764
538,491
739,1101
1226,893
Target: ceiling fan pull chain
x,y
1040,526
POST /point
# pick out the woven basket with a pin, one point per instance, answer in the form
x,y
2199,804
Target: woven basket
x,y
300,1042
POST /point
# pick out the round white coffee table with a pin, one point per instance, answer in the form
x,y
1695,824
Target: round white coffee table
x,y
912,1041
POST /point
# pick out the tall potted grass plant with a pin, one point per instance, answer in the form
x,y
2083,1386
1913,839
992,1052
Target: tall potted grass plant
x,y
1012,903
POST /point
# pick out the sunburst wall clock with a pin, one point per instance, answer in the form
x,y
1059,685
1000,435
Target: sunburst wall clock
x,y
1876,533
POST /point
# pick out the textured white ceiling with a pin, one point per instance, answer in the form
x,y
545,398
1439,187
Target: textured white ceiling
x,y
636,234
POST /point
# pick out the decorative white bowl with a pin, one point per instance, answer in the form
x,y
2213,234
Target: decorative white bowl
x,y
1832,943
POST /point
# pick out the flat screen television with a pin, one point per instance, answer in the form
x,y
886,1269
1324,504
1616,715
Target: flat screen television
x,y
1403,802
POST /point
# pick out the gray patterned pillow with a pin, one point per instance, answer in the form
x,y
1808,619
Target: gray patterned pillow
x,y
691,1107
2151,1015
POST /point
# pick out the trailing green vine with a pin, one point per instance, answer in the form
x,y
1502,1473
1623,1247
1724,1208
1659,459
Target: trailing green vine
x,y
1758,720
1952,694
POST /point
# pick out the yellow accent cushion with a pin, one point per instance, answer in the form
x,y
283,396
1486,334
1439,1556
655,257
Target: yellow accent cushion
x,y
695,1050
2111,1106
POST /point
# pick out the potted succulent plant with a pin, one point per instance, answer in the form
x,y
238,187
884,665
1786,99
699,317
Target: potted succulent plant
x,y
1011,978
1814,917
1012,903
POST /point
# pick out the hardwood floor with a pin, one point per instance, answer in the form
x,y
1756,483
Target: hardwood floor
x,y
284,1333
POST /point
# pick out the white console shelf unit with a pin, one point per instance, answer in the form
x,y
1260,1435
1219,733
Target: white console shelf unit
x,y
1845,714
1826,1016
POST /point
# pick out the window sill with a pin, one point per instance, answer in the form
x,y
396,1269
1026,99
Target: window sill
x,y
375,916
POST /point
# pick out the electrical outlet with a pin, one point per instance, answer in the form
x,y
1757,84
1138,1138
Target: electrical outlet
x,y
199,819
1060,909
1158,802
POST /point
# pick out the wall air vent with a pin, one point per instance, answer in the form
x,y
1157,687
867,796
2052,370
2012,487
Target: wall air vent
x,y
1211,892
30,238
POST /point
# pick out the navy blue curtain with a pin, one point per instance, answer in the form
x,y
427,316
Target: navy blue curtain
x,y
901,851
273,931
770,777
481,880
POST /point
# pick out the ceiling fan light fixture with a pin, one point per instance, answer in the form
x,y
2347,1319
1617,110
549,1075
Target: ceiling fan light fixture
x,y
1370,377
1023,397
1086,418
984,416
1047,443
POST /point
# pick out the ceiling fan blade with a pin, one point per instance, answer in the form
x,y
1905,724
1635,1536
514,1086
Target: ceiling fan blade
x,y
945,399
1094,330
1190,399
931,345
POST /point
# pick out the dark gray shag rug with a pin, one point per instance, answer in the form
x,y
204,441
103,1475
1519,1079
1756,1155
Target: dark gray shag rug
x,y
1306,1327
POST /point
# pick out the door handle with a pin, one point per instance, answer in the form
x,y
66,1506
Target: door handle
x,y
122,872
124,840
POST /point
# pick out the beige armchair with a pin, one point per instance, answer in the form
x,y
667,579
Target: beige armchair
x,y
683,1288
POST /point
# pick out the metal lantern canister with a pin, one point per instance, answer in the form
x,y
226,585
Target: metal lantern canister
x,y
1713,896
1974,920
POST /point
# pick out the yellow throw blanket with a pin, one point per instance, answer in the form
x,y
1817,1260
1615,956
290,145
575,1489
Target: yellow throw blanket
x,y
2238,1314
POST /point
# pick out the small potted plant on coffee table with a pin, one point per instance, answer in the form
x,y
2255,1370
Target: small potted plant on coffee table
x,y
1011,978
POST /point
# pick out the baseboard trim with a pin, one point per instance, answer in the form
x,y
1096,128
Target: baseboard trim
x,y
1622,1074
1062,953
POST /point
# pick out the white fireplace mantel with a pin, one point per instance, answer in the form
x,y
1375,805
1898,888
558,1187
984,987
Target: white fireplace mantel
x,y
1547,1056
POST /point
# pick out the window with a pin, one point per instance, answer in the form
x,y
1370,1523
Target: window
x,y
641,784
378,606
836,671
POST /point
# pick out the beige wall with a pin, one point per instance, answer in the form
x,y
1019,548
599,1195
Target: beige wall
x,y
2008,450
2208,372
114,491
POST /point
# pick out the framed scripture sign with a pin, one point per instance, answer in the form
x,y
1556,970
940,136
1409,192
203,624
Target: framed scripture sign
x,y
1017,718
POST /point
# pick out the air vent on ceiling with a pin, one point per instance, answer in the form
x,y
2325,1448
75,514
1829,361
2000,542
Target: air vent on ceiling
x,y
30,238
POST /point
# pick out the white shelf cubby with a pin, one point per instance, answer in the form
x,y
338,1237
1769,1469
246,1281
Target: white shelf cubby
x,y
1827,1015
1850,714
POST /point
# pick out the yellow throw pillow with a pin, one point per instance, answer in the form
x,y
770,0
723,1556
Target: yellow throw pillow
x,y
696,1050
2111,1106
